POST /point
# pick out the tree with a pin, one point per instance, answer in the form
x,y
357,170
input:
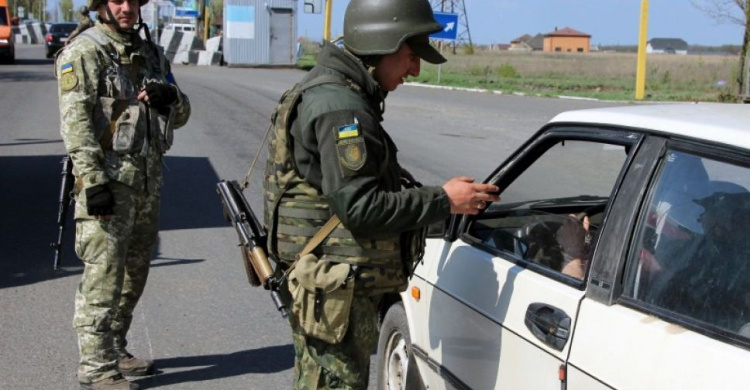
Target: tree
x,y
736,12
66,10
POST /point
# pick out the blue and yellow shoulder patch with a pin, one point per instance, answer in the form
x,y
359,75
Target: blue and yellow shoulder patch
x,y
67,68
350,147
348,131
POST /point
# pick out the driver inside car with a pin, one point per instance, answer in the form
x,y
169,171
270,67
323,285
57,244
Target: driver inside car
x,y
575,242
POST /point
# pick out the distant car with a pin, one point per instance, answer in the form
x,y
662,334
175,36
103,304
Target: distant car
x,y
57,35
184,27
7,46
618,257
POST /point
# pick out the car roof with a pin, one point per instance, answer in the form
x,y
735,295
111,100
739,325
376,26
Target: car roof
x,y
717,122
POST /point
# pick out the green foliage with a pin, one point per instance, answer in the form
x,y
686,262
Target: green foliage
x,y
66,9
507,70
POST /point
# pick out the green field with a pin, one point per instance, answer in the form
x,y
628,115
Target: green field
x,y
601,75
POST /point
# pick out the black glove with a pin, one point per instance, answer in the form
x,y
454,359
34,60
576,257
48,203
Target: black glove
x,y
99,200
161,95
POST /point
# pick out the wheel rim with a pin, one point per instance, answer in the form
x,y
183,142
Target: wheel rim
x,y
397,363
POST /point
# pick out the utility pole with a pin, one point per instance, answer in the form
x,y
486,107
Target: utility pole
x,y
640,74
327,20
463,36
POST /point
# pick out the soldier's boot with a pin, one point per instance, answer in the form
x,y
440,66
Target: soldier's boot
x,y
116,382
129,365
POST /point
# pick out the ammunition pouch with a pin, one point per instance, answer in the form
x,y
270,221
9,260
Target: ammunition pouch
x,y
118,119
322,294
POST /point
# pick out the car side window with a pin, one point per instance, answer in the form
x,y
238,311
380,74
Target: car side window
x,y
692,253
551,213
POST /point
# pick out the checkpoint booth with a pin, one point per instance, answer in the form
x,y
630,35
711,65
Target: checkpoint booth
x,y
260,32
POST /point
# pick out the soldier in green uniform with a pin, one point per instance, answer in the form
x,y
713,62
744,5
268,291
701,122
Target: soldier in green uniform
x,y
329,157
119,104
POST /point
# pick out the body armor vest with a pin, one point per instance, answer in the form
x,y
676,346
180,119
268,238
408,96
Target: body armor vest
x,y
295,211
123,123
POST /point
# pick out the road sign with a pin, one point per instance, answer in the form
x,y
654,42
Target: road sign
x,y
450,26
183,12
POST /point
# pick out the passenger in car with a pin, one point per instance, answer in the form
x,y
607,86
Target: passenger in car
x,y
714,286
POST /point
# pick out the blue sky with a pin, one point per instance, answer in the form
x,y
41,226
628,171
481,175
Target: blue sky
x,y
609,22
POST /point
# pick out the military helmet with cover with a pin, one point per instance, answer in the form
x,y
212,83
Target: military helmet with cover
x,y
93,4
380,27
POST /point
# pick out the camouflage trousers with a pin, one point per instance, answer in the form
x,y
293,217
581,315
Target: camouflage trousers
x,y
346,365
116,256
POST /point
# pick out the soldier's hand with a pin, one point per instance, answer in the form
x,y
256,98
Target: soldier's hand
x,y
160,95
99,201
467,197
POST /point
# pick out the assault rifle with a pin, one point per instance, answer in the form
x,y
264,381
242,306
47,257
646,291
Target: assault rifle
x,y
66,186
253,240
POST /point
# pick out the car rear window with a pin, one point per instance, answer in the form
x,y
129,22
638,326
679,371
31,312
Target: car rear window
x,y
692,255
68,27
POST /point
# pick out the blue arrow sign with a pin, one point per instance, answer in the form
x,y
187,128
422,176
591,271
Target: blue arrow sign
x,y
450,26
186,12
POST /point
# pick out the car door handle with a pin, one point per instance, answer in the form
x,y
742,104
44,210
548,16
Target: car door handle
x,y
549,324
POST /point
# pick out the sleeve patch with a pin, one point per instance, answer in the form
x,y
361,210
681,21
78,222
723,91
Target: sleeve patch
x,y
348,131
68,81
67,68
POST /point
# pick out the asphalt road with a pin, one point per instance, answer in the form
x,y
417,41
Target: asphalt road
x,y
204,326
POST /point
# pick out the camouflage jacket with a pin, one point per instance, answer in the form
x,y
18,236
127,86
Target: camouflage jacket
x,y
108,133
344,162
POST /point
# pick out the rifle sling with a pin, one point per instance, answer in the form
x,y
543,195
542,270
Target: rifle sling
x,y
314,242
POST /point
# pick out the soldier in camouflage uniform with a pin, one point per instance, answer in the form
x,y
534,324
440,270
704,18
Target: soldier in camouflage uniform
x,y
329,155
119,104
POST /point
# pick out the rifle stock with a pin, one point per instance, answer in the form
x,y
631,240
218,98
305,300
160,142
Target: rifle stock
x,y
252,238
66,186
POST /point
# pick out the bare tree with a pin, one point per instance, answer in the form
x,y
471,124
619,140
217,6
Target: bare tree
x,y
736,12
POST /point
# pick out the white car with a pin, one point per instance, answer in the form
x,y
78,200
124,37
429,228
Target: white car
x,y
618,257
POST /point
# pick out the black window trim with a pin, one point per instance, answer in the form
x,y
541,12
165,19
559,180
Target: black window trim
x,y
713,152
534,148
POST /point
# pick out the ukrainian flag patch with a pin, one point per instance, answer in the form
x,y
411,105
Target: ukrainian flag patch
x,y
67,68
348,131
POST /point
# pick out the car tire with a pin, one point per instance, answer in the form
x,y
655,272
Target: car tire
x,y
397,368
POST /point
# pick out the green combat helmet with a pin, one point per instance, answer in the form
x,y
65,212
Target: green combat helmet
x,y
380,27
93,4
84,10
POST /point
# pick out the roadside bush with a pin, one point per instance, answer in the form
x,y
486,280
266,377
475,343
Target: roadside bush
x,y
508,71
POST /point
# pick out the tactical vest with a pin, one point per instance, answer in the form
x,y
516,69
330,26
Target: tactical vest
x,y
121,122
295,210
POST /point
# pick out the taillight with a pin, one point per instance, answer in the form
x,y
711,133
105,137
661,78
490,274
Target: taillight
x,y
48,37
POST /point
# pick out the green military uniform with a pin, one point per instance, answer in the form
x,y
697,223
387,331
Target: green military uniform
x,y
328,155
117,141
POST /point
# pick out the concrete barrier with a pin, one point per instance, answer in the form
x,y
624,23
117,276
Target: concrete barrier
x,y
176,42
30,33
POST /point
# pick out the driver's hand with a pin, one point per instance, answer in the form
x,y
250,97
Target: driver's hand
x,y
572,236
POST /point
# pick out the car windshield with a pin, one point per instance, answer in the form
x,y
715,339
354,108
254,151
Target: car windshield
x,y
62,28
3,16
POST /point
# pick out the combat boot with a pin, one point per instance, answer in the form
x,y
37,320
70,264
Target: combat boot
x,y
129,365
116,382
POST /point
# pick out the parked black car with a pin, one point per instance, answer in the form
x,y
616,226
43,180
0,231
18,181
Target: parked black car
x,y
56,37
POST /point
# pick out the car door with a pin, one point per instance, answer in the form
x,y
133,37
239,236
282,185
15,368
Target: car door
x,y
668,304
500,301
